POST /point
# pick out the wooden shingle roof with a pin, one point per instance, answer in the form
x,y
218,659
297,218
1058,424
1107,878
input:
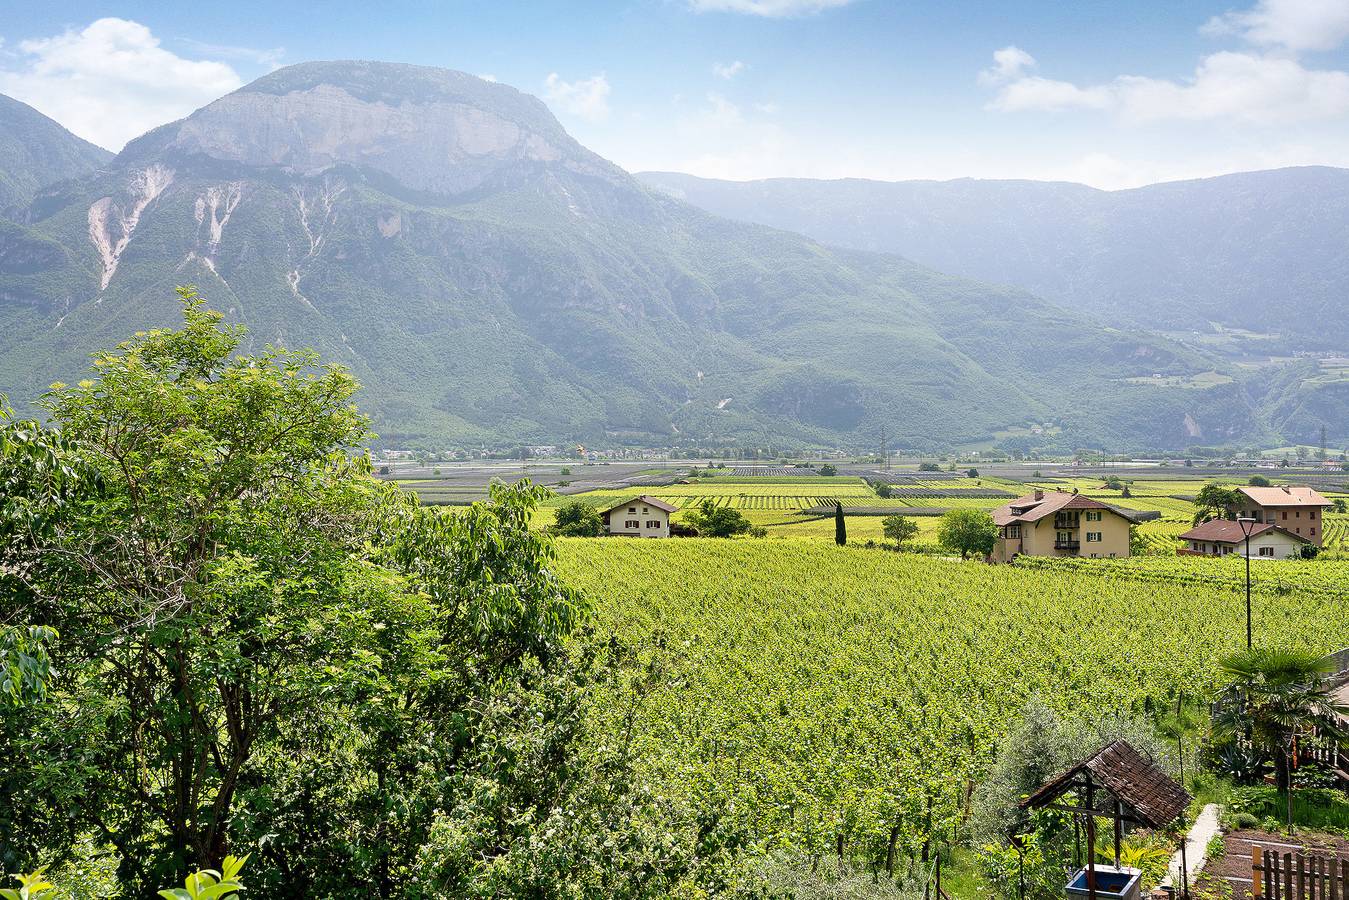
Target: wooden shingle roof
x,y
1153,796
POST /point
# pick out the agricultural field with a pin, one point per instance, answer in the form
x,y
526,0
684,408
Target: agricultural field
x,y
828,694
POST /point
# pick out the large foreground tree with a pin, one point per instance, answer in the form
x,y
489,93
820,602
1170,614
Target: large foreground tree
x,y
255,647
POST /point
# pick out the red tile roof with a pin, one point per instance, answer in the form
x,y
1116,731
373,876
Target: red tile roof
x,y
1225,531
1031,509
1285,495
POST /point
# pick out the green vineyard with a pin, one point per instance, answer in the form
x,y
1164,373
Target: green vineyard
x,y
829,695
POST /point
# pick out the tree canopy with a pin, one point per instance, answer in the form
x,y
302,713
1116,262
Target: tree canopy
x,y
967,531
228,637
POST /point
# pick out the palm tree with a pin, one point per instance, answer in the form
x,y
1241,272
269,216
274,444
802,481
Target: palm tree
x,y
1276,697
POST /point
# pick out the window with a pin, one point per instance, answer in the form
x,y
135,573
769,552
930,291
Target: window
x,y
1013,531
653,523
1266,551
1313,532
1285,515
632,523
1093,515
645,510
1093,537
632,509
1311,514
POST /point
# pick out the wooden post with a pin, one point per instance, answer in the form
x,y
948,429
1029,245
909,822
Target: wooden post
x,y
1257,858
1119,831
1288,875
1301,875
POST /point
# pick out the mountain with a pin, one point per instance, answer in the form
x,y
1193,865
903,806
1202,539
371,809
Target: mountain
x,y
1261,252
490,280
35,152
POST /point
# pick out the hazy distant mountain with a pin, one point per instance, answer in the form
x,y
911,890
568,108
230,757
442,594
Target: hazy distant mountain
x,y
1263,251
36,152
489,279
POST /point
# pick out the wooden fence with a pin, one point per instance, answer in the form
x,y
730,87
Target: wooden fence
x,y
1285,876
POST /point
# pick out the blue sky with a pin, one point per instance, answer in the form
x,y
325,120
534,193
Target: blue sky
x,y
1110,93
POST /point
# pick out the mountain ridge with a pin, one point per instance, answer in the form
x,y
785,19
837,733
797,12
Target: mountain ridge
x,y
37,152
490,280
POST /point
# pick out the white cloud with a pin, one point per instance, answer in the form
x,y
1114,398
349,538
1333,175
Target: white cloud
x,y
773,9
112,80
269,57
1009,64
728,70
587,98
1241,87
1292,24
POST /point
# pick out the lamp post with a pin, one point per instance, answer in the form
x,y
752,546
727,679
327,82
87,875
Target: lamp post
x,y
1247,524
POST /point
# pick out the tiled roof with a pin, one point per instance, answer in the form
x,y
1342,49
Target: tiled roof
x,y
1285,495
1152,795
1225,531
649,501
1030,509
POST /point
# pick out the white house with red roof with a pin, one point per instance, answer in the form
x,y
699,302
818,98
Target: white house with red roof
x,y
1223,537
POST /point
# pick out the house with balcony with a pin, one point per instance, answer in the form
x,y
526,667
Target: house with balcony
x,y
1293,507
1057,523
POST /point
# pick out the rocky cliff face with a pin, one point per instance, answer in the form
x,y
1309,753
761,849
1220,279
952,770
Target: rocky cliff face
x,y
440,132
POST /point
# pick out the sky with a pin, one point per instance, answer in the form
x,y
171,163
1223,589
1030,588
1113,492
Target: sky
x,y
1110,93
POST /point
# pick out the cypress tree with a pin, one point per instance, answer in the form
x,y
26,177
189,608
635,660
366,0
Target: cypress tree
x,y
840,527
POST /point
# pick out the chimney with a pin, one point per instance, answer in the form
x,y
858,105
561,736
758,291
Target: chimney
x,y
1039,494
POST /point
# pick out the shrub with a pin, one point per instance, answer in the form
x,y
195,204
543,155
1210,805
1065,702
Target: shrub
x,y
717,521
827,469
578,519
1258,481
899,528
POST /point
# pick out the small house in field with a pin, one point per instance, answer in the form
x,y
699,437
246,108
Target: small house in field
x,y
1221,537
639,517
1055,523
1293,507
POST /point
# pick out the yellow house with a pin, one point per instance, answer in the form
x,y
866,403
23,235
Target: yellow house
x,y
1055,523
639,517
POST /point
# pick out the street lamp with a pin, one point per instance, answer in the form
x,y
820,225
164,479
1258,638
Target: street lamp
x,y
1247,524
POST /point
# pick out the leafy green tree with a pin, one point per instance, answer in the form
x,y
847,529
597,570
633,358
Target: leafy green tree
x,y
1216,501
971,473
712,520
899,528
828,469
1258,481
967,531
262,646
840,525
1339,505
1275,696
577,518
883,490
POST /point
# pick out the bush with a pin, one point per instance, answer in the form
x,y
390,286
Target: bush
x,y
827,469
883,490
717,521
578,519
972,473
1258,481
930,467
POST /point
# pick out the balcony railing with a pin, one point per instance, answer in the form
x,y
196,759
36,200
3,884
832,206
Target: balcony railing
x,y
1068,545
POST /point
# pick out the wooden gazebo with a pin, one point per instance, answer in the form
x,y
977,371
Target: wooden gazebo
x,y
1117,783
